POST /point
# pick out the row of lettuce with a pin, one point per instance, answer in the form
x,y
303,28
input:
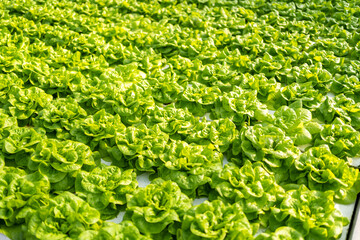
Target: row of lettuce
x,y
189,153
117,105
135,82
242,200
264,52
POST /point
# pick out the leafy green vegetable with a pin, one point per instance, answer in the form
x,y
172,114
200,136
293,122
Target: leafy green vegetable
x,y
21,194
320,170
97,128
281,233
250,186
189,165
341,106
105,188
240,106
215,220
59,115
345,84
23,103
139,147
342,139
174,89
310,213
221,133
267,144
20,143
296,122
60,161
109,230
311,98
6,123
65,217
157,208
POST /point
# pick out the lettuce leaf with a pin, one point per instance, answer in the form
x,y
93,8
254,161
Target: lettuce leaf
x,y
109,230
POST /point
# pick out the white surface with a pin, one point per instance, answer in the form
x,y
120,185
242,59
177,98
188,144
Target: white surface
x,y
330,94
355,233
198,201
347,211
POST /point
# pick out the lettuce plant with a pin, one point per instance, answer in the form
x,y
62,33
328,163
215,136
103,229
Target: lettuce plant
x,y
296,122
20,142
65,217
342,139
139,147
157,209
59,115
189,165
323,171
60,161
240,106
267,144
215,220
311,213
97,128
23,103
250,186
109,231
345,108
6,122
21,194
105,188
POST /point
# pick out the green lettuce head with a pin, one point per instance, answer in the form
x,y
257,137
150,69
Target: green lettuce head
x,y
97,128
59,116
215,220
21,194
342,139
139,147
24,102
189,165
105,188
65,217
296,122
112,231
310,213
251,186
267,144
20,143
60,161
157,208
320,170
